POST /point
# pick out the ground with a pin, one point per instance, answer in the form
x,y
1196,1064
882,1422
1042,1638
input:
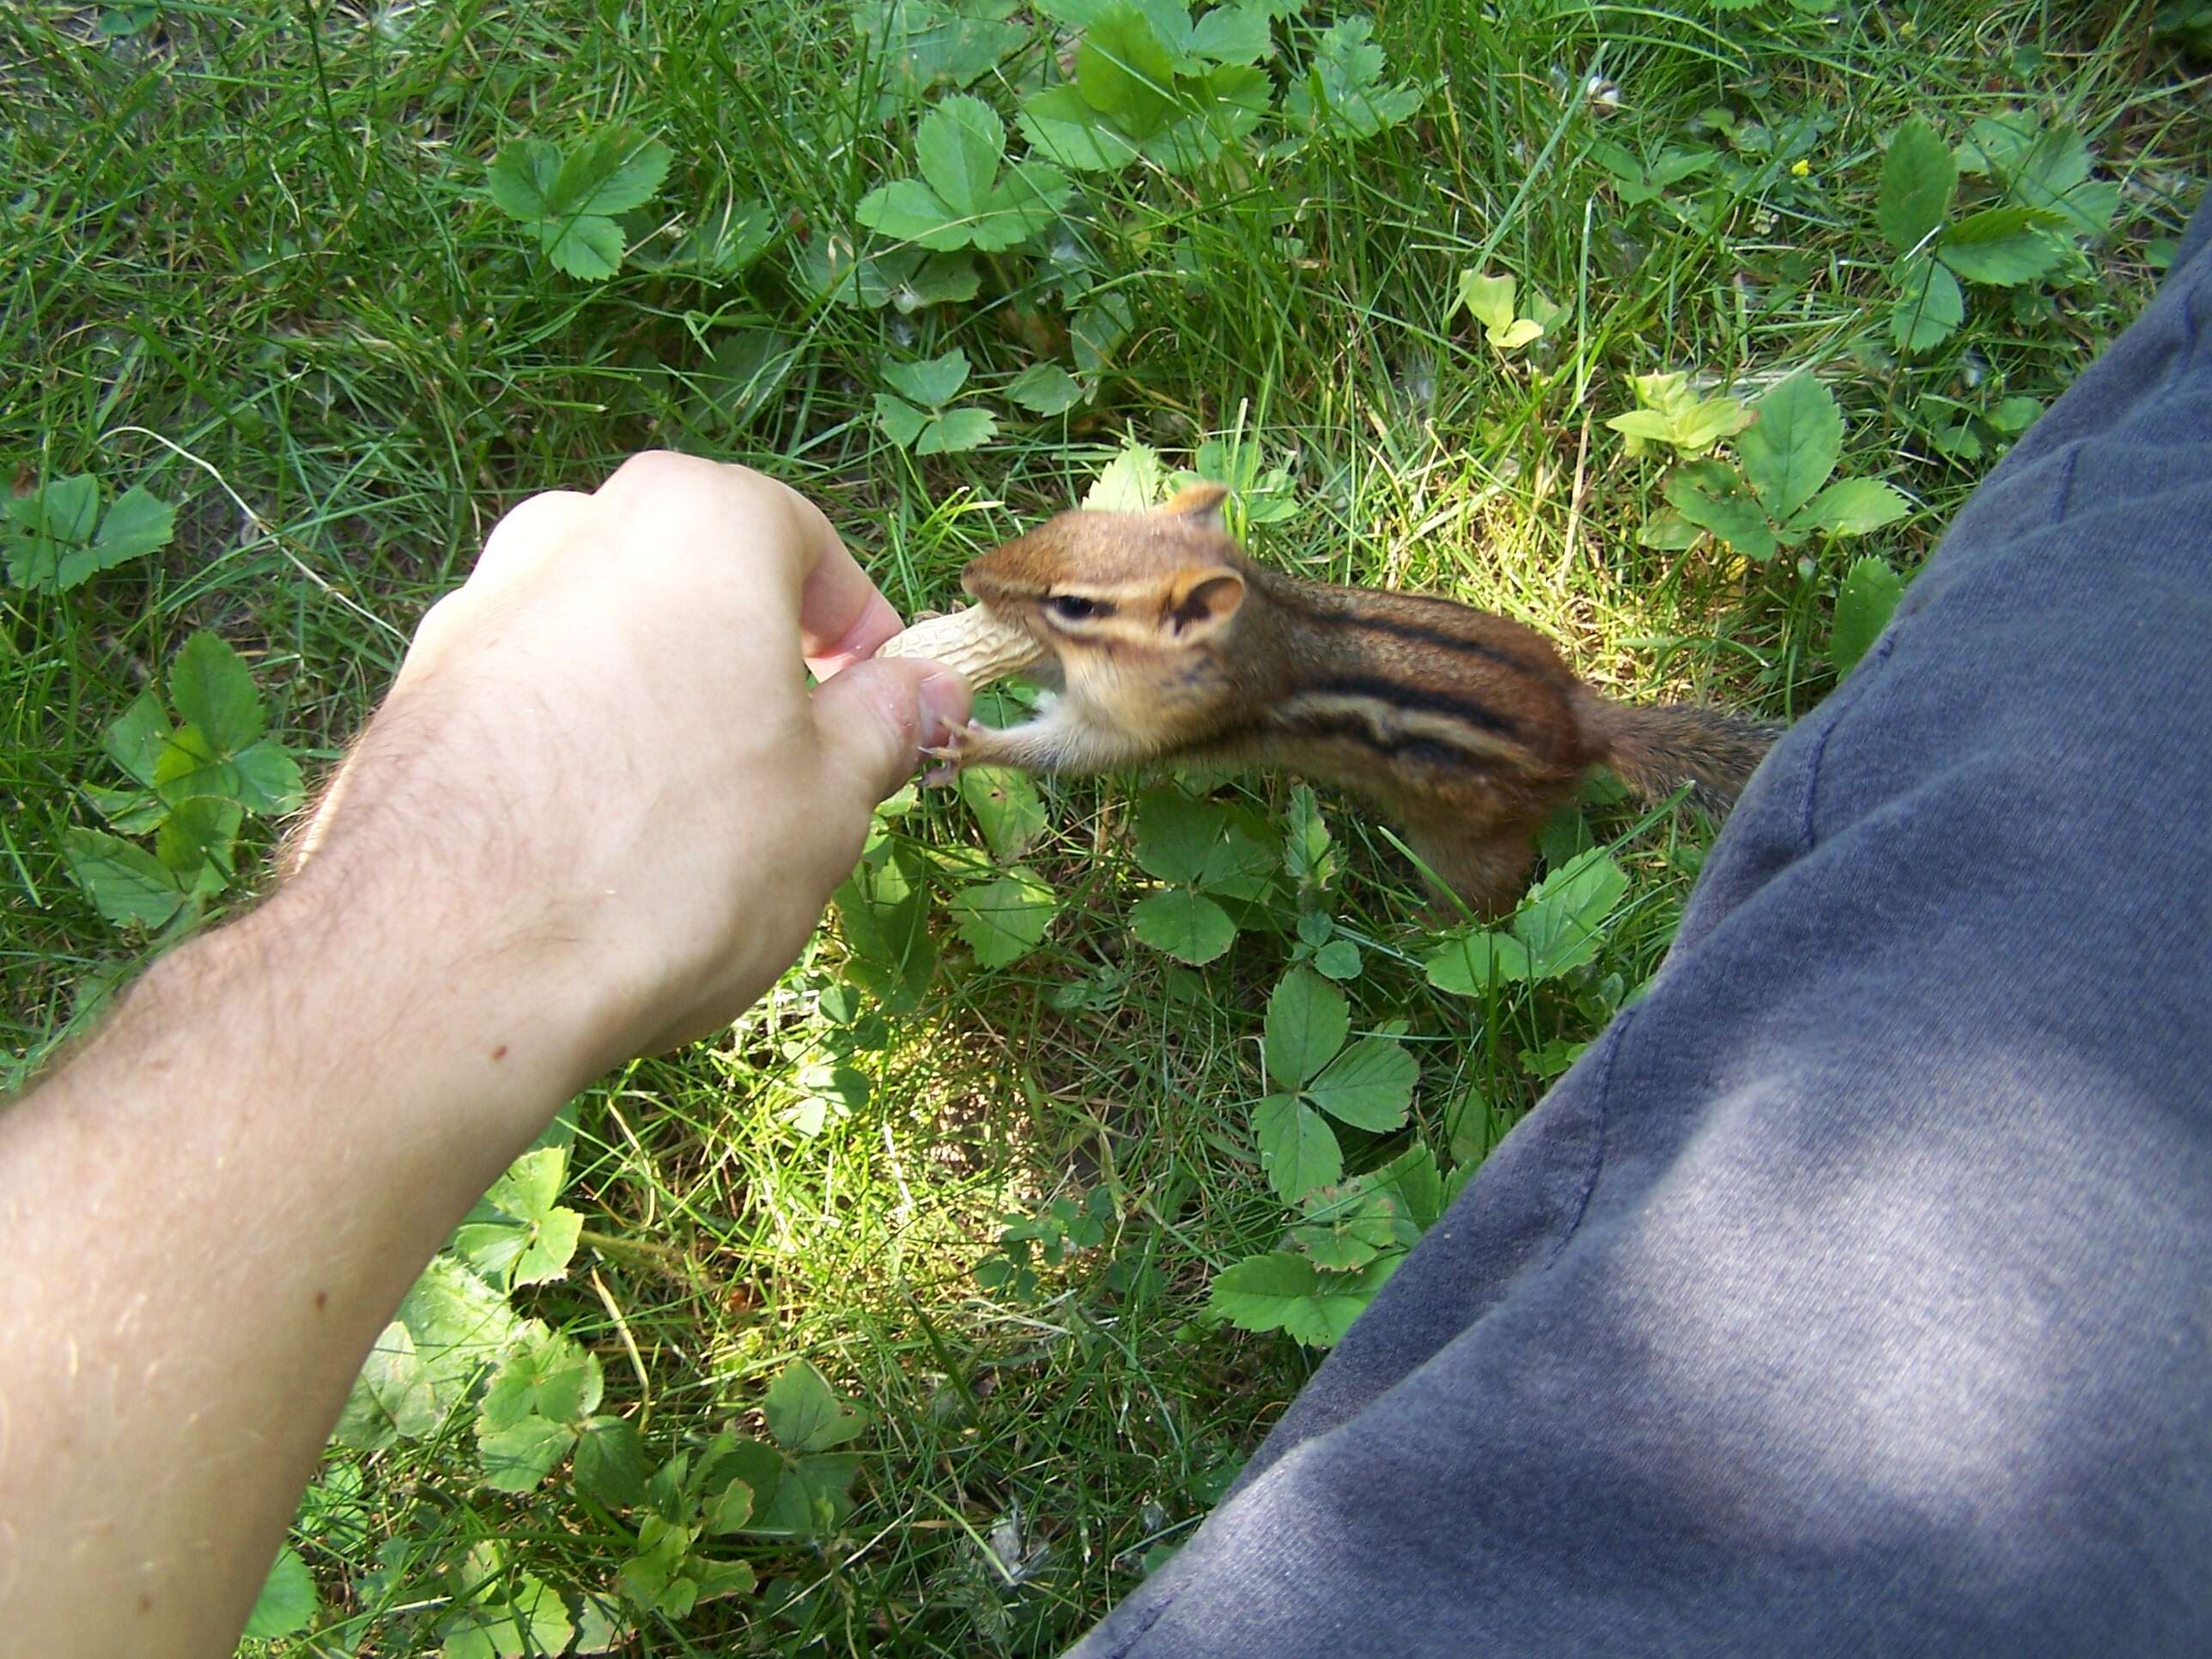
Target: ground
x,y
299,275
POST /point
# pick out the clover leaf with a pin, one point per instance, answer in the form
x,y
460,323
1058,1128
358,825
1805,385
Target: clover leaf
x,y
961,198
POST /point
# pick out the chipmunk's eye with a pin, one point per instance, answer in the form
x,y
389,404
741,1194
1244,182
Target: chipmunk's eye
x,y
1073,607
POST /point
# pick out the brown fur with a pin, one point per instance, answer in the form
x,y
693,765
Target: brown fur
x,y
1467,729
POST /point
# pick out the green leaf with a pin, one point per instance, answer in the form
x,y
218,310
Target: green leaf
x,y
1130,482
1470,965
571,199
958,146
287,1603
1285,1292
1338,959
268,778
521,180
1412,1176
1175,834
1864,603
2013,416
545,1375
1005,920
609,1467
1298,1149
128,811
1789,451
1704,422
1644,425
883,910
1307,857
1232,35
1028,200
1929,306
727,240
2053,172
1223,108
588,247
1241,863
1347,1227
613,172
1712,497
1122,69
1006,806
908,210
518,1458
923,43
126,884
1560,919
1918,178
1307,1021
1851,506
932,384
1096,332
956,431
1046,389
134,742
1060,126
804,1415
2000,246
62,509
394,1396
537,1246
960,201
915,281
1188,926
901,420
1369,1085
198,834
532,1184
211,687
51,525
1488,299
654,1576
1343,87
729,1510
136,524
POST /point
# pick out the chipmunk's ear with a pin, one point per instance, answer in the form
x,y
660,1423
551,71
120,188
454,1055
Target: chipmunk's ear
x,y
1201,501
1201,603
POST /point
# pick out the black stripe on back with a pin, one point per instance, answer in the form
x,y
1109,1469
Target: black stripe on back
x,y
1424,751
1417,633
1399,696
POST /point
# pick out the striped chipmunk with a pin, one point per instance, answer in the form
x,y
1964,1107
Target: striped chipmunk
x,y
1161,641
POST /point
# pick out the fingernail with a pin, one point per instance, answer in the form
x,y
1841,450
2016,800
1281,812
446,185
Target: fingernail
x,y
944,699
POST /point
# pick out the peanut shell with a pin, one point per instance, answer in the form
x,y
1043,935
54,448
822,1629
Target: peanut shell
x,y
977,645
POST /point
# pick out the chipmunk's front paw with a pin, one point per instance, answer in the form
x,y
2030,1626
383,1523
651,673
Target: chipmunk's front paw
x,y
956,751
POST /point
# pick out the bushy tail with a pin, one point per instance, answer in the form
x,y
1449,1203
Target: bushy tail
x,y
1657,750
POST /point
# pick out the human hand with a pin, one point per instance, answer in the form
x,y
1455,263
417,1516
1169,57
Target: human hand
x,y
600,775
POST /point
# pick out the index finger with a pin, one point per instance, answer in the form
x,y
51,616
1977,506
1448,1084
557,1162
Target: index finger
x,y
841,617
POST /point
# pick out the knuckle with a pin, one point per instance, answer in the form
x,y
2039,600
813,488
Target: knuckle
x,y
656,471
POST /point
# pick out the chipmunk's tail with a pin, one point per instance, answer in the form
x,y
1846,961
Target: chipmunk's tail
x,y
1656,750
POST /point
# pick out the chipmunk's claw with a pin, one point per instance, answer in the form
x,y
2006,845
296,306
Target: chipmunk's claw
x,y
948,753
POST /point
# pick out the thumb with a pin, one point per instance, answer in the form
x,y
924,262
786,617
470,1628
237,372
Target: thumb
x,y
873,719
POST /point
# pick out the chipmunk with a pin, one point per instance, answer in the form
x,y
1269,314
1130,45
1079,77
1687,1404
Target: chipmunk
x,y
1164,643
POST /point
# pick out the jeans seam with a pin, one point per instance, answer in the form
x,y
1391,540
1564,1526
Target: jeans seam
x,y
1144,1623
1603,1105
2059,507
1848,697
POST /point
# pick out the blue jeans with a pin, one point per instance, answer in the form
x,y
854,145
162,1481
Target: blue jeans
x,y
1853,1294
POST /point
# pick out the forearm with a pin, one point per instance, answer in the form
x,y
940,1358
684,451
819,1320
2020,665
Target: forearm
x,y
597,814
208,1216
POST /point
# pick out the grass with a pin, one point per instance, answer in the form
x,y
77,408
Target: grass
x,y
250,264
